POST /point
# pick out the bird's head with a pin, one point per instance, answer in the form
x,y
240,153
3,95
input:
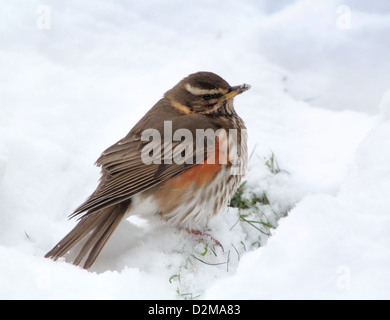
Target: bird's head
x,y
204,93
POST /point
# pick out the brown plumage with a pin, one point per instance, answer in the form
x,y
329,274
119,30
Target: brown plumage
x,y
187,192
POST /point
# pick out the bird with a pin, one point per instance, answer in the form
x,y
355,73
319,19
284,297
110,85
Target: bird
x,y
184,182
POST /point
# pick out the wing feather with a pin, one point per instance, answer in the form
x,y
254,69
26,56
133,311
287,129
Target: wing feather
x,y
124,174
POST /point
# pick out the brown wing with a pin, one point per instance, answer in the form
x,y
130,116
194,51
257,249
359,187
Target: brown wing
x,y
125,173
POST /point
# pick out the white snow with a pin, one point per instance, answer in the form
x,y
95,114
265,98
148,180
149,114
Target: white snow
x,y
319,102
329,246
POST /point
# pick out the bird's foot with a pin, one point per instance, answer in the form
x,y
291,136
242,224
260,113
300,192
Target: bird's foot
x,y
203,236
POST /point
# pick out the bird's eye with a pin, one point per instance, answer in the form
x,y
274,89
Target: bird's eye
x,y
206,97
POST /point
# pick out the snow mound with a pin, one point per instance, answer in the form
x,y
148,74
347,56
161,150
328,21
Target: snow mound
x,y
331,247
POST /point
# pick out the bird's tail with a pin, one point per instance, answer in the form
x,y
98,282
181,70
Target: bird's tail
x,y
98,226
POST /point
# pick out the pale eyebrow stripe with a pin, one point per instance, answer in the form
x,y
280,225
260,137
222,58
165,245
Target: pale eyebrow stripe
x,y
181,107
198,91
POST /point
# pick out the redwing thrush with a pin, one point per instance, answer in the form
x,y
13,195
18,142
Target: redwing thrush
x,y
185,193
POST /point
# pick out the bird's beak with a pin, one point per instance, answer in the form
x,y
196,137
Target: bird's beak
x,y
233,91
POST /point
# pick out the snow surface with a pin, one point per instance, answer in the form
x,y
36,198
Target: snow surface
x,y
320,102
